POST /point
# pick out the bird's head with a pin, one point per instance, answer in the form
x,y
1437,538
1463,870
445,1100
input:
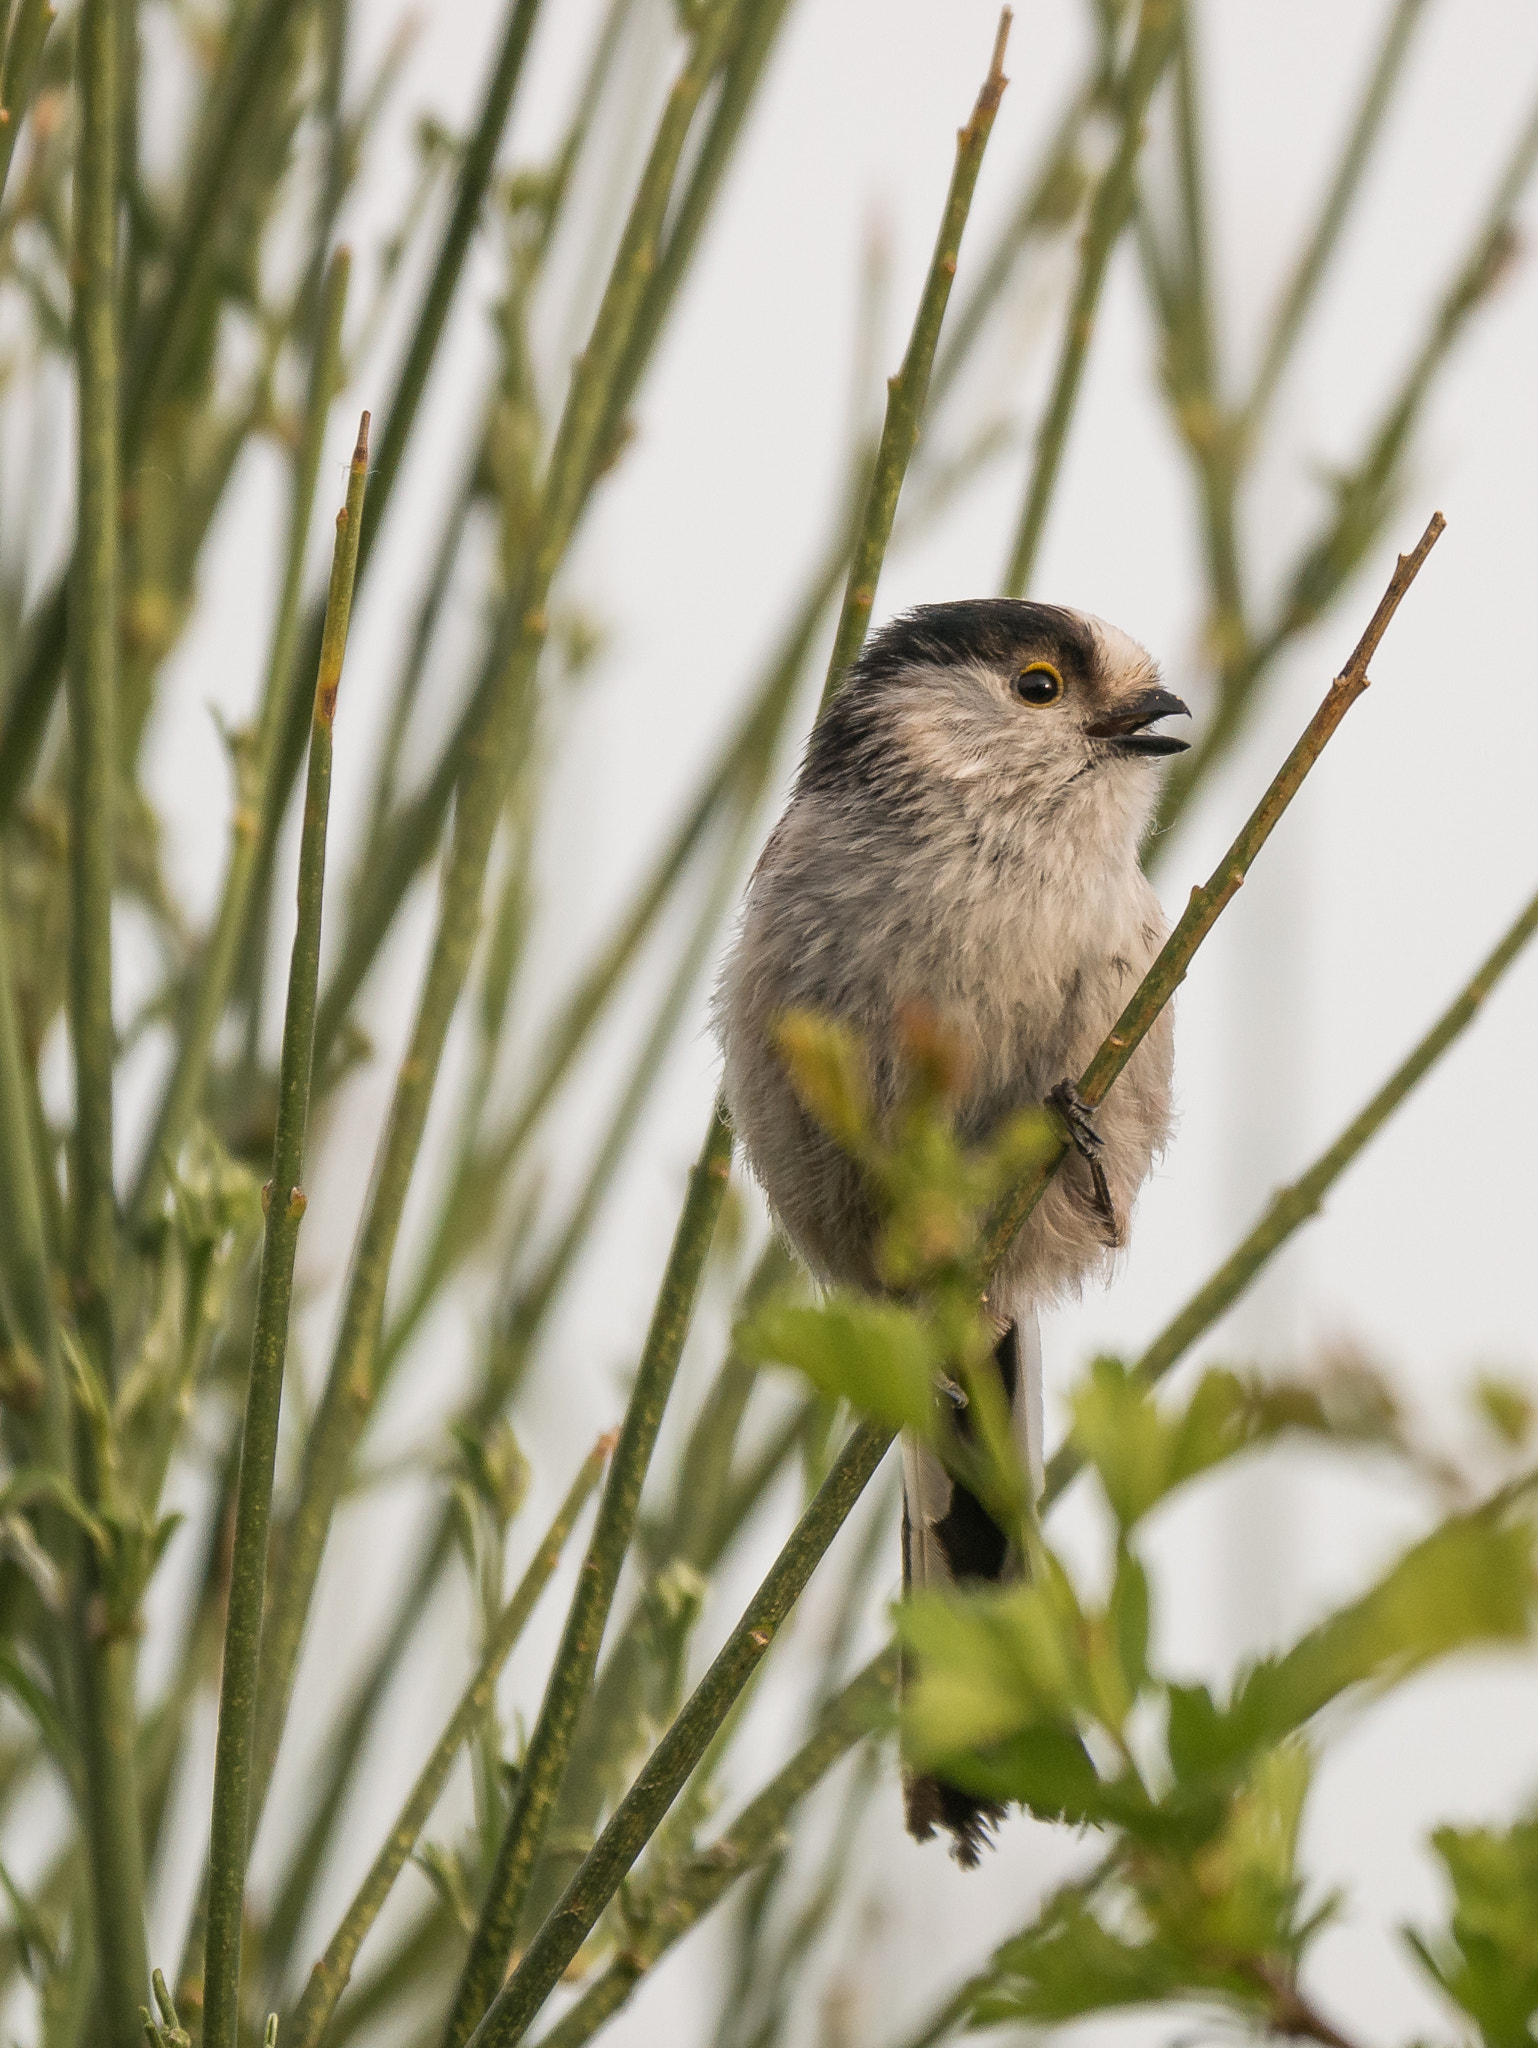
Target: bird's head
x,y
1005,703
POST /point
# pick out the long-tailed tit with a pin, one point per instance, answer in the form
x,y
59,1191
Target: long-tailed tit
x,y
963,835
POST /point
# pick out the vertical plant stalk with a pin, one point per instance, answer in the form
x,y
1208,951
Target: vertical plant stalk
x,y
1292,1207
408,841
106,1642
1110,210
254,779
910,387
27,1289
329,1978
24,45
157,335
1303,285
1209,901
400,416
549,1748
571,1675
645,1805
699,1885
490,762
285,1202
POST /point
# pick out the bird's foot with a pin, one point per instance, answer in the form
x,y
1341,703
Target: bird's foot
x,y
1078,1121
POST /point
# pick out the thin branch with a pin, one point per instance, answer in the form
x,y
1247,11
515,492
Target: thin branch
x,y
1109,213
330,1976
254,775
285,1199
571,1675
1362,499
107,1655
492,760
690,1734
908,390
23,47
645,1805
1209,901
700,1885
1294,1206
1302,287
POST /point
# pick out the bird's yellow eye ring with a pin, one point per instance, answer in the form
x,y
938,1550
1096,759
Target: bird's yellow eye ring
x,y
1038,684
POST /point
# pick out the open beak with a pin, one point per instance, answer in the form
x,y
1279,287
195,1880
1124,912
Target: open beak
x,y
1127,726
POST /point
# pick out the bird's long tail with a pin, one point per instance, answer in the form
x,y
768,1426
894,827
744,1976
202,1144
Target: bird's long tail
x,y
949,1539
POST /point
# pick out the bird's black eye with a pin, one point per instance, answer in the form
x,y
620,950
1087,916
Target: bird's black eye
x,y
1039,684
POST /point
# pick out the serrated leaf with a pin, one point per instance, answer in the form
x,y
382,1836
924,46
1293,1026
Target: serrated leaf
x,y
1487,1959
878,1356
826,1064
1470,1581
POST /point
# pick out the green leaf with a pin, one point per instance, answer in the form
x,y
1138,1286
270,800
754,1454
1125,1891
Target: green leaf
x,y
1069,1964
1470,1581
826,1063
879,1357
1506,1407
990,1665
1487,1961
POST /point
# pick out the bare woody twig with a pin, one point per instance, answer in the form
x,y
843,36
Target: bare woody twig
x,y
1209,901
1294,1206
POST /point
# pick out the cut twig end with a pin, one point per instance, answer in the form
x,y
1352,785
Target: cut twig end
x,y
1354,675
993,85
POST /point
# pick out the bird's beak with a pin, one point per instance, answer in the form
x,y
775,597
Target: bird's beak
x,y
1127,726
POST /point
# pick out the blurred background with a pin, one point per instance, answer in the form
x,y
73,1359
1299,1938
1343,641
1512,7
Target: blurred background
x,y
1409,850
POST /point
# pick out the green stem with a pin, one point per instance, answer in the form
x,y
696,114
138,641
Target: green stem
x,y
23,47
238,98
492,758
500,1914
330,1783
475,172
1109,213
184,1088
1303,285
571,1675
1208,903
753,1837
26,1289
1294,1206
329,1978
107,1659
644,1806
414,836
237,101
1362,500
285,1202
908,390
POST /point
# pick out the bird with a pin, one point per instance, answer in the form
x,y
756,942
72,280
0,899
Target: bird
x,y
963,836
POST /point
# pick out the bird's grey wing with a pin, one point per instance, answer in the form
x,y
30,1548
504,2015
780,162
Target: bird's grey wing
x,y
949,1539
